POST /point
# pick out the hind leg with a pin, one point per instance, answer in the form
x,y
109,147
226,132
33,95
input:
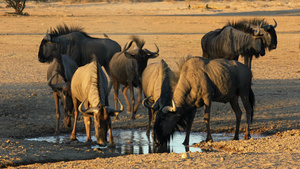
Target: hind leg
x,y
124,91
116,93
138,100
238,115
249,111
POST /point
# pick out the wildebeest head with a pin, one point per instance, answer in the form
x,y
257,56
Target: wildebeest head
x,y
139,54
271,36
258,45
64,92
51,43
101,114
165,122
269,33
48,49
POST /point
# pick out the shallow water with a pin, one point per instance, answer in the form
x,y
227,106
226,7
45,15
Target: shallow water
x,y
136,141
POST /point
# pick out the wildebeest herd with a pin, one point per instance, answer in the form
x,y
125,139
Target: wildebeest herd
x,y
83,69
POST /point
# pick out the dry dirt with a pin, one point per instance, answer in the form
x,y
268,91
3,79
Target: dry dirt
x,y
27,105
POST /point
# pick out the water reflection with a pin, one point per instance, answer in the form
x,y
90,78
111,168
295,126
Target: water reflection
x,y
136,142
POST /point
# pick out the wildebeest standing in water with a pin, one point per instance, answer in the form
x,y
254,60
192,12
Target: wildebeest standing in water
x,y
268,31
200,82
157,82
59,76
77,44
90,87
229,43
126,68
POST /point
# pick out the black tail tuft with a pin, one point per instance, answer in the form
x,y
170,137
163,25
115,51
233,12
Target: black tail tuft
x,y
252,102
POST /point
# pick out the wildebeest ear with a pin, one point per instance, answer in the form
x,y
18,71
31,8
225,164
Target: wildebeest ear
x,y
47,37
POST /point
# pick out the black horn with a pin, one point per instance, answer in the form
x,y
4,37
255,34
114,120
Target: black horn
x,y
153,54
89,111
169,108
275,24
58,85
146,103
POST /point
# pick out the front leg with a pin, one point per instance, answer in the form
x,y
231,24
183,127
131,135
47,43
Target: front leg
x,y
87,124
110,139
189,127
76,104
56,100
207,106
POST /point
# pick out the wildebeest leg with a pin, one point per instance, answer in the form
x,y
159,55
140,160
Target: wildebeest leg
x,y
116,93
189,126
138,100
124,91
56,100
238,114
207,106
132,101
110,139
87,124
149,122
76,104
248,60
246,103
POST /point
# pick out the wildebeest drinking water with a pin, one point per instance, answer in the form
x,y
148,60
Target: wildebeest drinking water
x,y
59,76
126,68
90,87
249,26
157,82
77,44
229,43
200,82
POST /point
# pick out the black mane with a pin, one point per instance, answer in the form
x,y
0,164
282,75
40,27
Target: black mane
x,y
64,29
241,25
254,21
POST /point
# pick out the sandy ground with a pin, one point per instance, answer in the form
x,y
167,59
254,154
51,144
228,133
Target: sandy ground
x,y
27,105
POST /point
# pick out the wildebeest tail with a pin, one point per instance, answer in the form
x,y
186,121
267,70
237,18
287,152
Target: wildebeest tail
x,y
252,102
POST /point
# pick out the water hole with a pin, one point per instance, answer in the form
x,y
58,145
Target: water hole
x,y
133,141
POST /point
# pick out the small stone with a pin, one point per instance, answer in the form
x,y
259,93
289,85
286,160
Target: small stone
x,y
222,159
185,155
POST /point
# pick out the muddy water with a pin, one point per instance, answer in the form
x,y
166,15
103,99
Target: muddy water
x,y
136,141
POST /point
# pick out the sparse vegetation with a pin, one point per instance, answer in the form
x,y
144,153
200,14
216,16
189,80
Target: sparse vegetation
x,y
18,5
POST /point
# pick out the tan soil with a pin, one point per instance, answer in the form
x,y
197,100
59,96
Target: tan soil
x,y
27,106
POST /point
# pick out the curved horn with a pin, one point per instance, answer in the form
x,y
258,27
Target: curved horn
x,y
153,54
146,103
275,23
126,48
257,32
261,23
87,111
58,85
111,110
170,108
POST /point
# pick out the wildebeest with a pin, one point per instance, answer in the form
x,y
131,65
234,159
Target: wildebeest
x,y
126,68
268,31
157,83
59,76
229,43
200,82
90,87
77,44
